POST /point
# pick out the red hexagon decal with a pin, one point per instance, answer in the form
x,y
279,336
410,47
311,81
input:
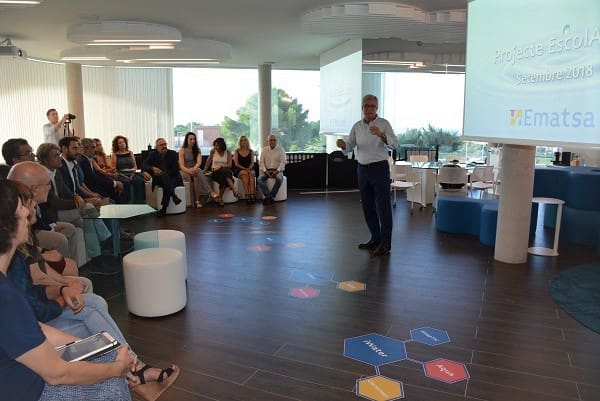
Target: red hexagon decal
x,y
446,371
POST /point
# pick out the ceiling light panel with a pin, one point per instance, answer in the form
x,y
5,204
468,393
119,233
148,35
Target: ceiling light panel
x,y
122,33
20,2
377,20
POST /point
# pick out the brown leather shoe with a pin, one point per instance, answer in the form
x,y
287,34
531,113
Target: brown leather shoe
x,y
382,249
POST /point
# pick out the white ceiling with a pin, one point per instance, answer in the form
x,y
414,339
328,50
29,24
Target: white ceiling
x,y
258,30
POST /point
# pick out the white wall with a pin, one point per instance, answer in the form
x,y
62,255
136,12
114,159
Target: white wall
x,y
137,103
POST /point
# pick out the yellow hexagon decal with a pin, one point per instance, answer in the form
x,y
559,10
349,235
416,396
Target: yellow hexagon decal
x,y
351,286
379,388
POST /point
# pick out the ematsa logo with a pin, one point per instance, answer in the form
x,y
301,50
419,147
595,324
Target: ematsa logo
x,y
551,119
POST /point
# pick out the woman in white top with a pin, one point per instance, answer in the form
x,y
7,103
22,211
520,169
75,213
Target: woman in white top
x,y
219,162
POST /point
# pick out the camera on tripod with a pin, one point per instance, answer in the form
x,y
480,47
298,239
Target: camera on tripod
x,y
69,118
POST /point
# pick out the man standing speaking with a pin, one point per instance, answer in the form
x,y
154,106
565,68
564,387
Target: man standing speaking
x,y
373,138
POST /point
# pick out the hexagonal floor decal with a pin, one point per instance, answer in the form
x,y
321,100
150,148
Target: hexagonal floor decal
x,y
351,286
430,336
379,388
374,349
445,370
304,292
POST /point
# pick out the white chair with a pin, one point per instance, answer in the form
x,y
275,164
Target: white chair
x,y
482,179
154,199
162,239
451,181
154,281
410,181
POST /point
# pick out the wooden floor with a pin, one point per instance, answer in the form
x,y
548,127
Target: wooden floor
x,y
243,337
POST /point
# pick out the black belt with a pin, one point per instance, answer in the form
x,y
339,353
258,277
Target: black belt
x,y
373,164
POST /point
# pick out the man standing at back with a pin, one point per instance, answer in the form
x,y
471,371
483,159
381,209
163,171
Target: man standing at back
x,y
271,165
373,138
56,128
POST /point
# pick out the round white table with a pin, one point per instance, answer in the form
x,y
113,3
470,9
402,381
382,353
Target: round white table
x,y
540,250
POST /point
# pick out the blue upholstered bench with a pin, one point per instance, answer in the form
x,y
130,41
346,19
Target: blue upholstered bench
x,y
462,215
579,187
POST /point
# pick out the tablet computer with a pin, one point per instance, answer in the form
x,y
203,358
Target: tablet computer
x,y
88,348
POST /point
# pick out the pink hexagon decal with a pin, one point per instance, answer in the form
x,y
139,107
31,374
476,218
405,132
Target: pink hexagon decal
x,y
304,292
446,371
259,248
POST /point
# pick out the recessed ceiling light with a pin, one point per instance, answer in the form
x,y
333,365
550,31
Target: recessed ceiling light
x,y
85,58
20,2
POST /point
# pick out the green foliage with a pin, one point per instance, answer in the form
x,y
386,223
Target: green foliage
x,y
290,123
429,138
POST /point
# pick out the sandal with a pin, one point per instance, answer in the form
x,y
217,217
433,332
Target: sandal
x,y
237,194
219,201
151,391
198,204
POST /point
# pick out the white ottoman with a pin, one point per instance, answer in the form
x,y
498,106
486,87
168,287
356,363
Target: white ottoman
x,y
281,194
239,185
162,239
228,196
154,199
154,281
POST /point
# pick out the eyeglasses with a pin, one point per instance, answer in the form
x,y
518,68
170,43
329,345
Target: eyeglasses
x,y
48,185
28,153
369,106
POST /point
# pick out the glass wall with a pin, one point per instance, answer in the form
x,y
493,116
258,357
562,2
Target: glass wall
x,y
224,103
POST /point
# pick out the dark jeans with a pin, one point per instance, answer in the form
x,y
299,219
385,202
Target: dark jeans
x,y
374,186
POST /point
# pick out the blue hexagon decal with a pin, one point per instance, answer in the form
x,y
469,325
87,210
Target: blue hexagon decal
x,y
374,349
315,277
430,336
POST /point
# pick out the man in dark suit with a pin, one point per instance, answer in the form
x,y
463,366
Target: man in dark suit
x,y
97,182
163,165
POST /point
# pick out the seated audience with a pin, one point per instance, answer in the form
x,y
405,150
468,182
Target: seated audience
x,y
66,308
69,205
163,166
219,164
30,368
105,186
243,161
190,159
124,162
47,267
102,163
50,233
17,150
271,165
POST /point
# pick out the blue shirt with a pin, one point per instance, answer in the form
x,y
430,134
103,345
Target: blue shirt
x,y
371,148
20,275
19,333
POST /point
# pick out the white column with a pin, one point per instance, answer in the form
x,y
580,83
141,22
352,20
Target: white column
x,y
514,213
75,97
264,104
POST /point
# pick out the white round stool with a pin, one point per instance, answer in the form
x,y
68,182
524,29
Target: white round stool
x,y
162,239
228,196
281,193
154,199
154,281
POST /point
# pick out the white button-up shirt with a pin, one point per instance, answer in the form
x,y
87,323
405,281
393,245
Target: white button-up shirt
x,y
371,148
